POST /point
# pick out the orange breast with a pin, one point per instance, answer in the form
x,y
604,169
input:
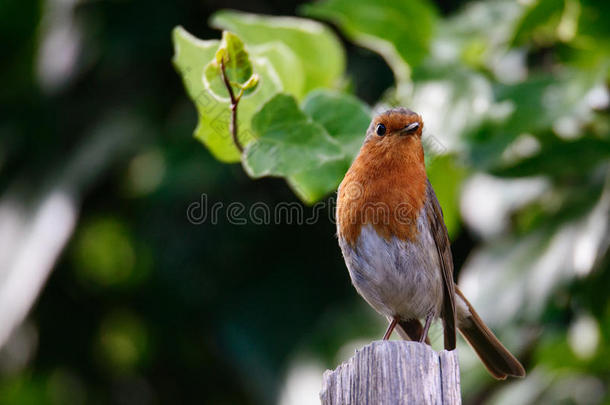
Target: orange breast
x,y
384,187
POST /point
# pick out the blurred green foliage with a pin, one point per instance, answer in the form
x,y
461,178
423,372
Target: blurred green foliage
x,y
147,307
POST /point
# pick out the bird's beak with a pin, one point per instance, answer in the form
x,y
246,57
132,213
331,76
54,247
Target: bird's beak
x,y
409,129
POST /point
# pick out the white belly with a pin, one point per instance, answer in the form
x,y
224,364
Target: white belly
x,y
398,278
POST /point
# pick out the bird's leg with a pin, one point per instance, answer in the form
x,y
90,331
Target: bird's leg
x,y
390,329
424,334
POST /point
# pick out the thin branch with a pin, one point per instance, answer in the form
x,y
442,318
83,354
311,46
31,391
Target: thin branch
x,y
234,101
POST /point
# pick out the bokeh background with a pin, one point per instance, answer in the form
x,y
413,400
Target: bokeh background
x,y
109,294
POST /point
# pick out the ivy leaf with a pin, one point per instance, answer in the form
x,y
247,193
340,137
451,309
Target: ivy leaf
x,y
313,185
316,47
191,58
399,30
251,83
238,67
288,141
346,119
286,63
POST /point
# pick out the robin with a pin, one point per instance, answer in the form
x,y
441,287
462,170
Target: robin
x,y
395,244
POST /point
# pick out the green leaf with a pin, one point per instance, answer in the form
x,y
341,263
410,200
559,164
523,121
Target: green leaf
x,y
398,30
539,22
579,24
318,50
251,83
286,63
313,185
592,23
191,56
236,59
238,67
346,119
288,141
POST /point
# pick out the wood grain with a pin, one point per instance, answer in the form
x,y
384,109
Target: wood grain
x,y
394,372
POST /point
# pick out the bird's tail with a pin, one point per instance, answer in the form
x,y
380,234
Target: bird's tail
x,y
497,359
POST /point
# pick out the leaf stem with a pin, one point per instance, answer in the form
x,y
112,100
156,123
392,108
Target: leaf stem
x,y
234,102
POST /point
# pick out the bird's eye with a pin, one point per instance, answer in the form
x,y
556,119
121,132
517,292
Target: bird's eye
x,y
380,129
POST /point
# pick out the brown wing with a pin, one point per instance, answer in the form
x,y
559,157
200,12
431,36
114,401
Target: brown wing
x,y
439,232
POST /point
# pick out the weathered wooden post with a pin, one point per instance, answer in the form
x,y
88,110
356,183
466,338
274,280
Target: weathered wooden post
x,y
393,373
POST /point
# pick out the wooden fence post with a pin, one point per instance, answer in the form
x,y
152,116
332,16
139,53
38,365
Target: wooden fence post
x,y
394,372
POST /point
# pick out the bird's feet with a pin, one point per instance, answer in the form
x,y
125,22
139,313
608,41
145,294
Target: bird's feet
x,y
424,333
390,329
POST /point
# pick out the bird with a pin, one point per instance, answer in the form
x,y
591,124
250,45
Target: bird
x,y
394,241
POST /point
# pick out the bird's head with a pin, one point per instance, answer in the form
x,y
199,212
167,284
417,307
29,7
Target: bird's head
x,y
395,125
